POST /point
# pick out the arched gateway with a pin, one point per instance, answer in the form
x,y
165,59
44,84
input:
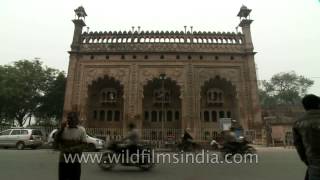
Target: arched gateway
x,y
163,81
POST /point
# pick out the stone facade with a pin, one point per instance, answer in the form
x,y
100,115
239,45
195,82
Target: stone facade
x,y
115,78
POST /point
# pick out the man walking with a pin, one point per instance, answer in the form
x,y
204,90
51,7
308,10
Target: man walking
x,y
306,134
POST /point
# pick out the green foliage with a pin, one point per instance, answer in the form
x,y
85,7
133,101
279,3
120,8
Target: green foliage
x,y
51,104
284,89
23,86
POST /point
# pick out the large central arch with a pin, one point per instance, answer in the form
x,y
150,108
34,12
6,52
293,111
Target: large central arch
x,y
162,109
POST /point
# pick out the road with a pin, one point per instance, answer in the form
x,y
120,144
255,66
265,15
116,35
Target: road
x,y
274,164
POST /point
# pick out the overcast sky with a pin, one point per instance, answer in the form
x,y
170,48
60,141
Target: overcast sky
x,y
286,33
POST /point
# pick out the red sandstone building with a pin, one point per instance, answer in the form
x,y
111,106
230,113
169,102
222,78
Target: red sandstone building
x,y
164,81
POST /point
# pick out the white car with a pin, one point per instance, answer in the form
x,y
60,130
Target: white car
x,y
21,138
94,144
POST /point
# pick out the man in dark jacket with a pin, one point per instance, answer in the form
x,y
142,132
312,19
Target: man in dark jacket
x,y
306,134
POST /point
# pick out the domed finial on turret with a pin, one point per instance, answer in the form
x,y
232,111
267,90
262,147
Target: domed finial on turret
x,y
244,12
245,22
243,7
244,15
80,12
78,25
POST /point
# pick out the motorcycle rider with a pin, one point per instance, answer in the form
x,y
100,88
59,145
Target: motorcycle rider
x,y
132,139
230,140
231,136
187,139
130,151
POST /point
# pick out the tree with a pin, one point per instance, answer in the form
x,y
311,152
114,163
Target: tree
x,y
22,86
284,89
3,115
51,105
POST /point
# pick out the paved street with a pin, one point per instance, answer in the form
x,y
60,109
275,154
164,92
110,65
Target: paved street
x,y
274,164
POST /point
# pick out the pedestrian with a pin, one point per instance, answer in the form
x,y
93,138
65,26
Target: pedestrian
x,y
306,135
71,141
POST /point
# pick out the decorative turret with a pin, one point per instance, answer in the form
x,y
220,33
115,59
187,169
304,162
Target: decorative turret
x,y
244,12
245,22
80,13
79,23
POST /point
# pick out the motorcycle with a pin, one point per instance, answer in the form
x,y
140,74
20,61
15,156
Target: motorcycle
x,y
140,156
188,146
240,147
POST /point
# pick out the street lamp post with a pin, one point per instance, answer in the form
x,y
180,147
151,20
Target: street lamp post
x,y
162,78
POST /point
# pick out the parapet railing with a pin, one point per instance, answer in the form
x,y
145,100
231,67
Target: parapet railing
x,y
162,37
